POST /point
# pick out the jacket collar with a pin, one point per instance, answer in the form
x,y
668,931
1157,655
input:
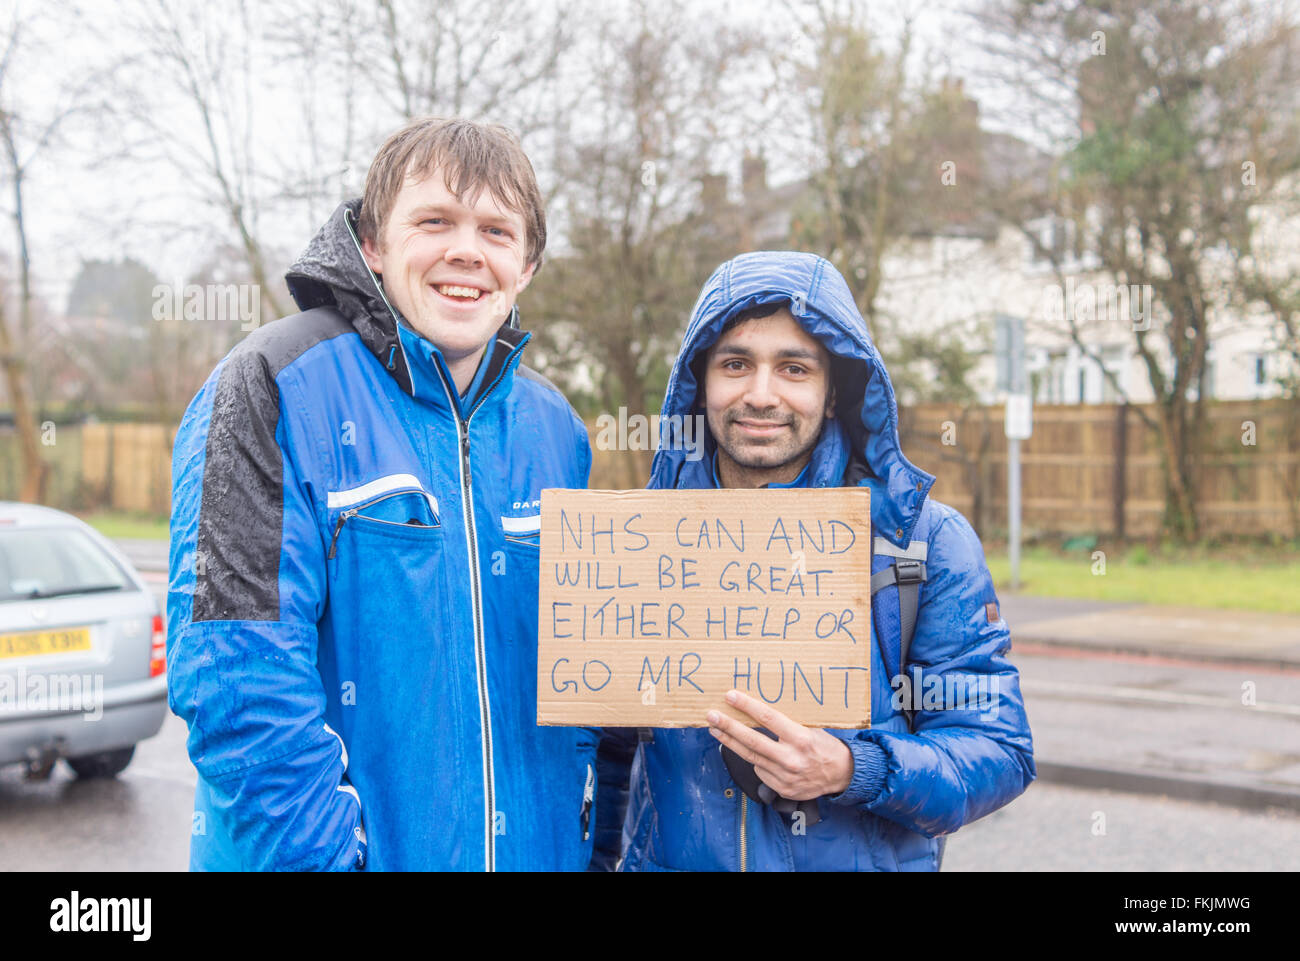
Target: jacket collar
x,y
431,381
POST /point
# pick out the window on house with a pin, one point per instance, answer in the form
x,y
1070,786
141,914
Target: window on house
x,y
1058,241
1259,370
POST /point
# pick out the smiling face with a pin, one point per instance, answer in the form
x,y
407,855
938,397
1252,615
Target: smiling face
x,y
767,392
453,268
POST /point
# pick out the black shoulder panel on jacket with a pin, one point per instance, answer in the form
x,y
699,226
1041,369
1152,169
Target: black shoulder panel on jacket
x,y
284,341
529,374
241,513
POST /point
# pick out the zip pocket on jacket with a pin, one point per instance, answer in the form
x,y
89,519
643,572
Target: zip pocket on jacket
x,y
355,512
523,530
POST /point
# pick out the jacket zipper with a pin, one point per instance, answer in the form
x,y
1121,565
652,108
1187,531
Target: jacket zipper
x,y
480,655
351,512
744,840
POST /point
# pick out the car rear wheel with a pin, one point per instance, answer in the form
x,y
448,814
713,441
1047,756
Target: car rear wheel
x,y
102,765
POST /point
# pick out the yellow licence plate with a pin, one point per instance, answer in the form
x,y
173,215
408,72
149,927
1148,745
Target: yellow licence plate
x,y
32,643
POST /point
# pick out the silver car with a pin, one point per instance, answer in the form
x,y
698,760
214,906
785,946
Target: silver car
x,y
82,647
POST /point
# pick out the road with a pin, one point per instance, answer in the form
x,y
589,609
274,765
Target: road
x,y
1234,727
1172,717
1054,827
139,821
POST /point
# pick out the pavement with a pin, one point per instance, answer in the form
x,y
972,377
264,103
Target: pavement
x,y
1188,633
1068,627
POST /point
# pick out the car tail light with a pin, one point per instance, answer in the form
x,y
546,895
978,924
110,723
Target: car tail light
x,y
158,648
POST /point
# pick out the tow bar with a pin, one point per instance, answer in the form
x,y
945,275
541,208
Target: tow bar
x,y
41,759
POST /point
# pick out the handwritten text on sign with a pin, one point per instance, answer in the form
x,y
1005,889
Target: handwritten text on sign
x,y
654,604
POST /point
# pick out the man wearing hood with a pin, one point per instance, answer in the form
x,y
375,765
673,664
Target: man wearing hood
x,y
353,593
778,361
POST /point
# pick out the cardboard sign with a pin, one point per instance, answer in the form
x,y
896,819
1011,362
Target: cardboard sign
x,y
654,604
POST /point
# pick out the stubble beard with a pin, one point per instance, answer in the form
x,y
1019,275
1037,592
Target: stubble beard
x,y
768,455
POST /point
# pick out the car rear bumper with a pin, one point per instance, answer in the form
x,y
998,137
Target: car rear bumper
x,y
124,715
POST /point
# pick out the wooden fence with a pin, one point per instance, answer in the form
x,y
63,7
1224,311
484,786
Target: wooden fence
x,y
1097,468
124,467
128,466
1086,470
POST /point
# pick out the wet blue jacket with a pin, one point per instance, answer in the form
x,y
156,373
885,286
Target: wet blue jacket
x,y
353,596
970,752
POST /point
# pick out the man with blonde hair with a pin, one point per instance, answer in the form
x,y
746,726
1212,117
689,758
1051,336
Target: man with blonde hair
x,y
353,597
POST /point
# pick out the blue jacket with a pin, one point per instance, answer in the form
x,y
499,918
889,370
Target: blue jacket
x,y
909,787
353,596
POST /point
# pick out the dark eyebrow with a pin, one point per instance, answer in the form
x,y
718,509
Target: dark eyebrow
x,y
734,350
791,353
800,353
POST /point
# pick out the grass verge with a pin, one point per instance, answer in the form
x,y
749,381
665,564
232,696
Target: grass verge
x,y
1266,581
117,524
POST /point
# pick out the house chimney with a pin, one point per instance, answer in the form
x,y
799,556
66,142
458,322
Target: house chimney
x,y
713,191
753,176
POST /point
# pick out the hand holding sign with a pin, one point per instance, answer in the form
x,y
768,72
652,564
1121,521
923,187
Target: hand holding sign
x,y
804,763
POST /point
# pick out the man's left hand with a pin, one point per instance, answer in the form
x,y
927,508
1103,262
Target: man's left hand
x,y
803,763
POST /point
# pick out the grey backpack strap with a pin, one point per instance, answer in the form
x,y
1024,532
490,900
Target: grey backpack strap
x,y
908,572
911,574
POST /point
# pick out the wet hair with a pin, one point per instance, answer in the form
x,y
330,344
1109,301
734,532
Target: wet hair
x,y
472,157
753,313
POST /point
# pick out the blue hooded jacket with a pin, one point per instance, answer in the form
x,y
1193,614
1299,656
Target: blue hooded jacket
x,y
964,757
352,611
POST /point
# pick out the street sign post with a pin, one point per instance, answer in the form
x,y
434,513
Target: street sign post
x,y
1019,423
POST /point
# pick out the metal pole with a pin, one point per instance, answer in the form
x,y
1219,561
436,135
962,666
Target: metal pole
x,y
1121,474
1018,422
1013,509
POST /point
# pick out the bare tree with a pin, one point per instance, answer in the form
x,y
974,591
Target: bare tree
x,y
489,58
217,78
859,118
28,134
638,244
321,42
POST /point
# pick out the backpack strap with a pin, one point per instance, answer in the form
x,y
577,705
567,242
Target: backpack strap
x,y
908,572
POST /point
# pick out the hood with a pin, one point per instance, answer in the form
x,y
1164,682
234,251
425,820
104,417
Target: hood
x,y
332,273
865,405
